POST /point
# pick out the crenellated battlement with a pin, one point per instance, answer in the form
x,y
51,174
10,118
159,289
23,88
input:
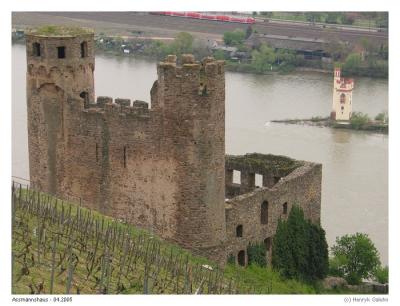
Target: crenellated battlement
x,y
189,66
107,105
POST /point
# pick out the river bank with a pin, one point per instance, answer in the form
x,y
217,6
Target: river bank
x,y
286,61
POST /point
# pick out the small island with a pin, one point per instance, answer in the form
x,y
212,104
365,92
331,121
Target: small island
x,y
342,115
358,121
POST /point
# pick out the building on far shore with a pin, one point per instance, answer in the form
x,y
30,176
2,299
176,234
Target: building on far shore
x,y
342,97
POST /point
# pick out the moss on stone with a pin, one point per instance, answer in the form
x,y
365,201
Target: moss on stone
x,y
55,30
264,162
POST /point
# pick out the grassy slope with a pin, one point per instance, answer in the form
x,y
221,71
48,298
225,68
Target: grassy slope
x,y
150,265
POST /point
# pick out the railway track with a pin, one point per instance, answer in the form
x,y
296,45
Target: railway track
x,y
160,23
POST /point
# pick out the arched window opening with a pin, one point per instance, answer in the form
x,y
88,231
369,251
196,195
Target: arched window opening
x,y
242,258
239,230
85,96
264,212
84,49
36,49
342,98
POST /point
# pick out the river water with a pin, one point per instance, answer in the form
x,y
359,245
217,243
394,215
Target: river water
x,y
355,164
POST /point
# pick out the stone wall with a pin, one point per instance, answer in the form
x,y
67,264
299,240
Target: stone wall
x,y
302,186
161,169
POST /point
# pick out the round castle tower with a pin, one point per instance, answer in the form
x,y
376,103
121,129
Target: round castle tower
x,y
60,65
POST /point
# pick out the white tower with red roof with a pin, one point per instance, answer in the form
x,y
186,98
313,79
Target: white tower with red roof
x,y
342,97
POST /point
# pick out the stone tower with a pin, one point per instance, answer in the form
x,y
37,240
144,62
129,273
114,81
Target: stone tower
x,y
191,102
160,168
60,65
342,97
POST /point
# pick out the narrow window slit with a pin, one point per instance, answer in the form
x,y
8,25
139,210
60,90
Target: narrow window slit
x,y
84,49
124,156
36,49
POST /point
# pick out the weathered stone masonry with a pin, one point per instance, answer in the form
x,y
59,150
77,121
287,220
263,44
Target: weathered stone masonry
x,y
160,168
256,210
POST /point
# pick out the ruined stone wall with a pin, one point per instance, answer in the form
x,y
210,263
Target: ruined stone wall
x,y
301,187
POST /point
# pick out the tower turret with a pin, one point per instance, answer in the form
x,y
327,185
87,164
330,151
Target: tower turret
x,y
60,65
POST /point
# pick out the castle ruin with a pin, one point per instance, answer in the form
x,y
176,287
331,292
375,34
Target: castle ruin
x,y
162,168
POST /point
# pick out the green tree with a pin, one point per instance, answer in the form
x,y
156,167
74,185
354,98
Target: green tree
x,y
300,249
234,38
332,17
263,59
338,50
219,55
256,254
352,63
359,120
313,16
356,257
183,43
384,117
285,57
347,18
318,256
381,275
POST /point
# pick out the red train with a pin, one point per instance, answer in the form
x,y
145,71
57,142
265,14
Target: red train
x,y
195,15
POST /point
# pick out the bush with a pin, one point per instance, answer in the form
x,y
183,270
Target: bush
x,y
300,249
352,63
382,117
359,120
231,259
234,38
355,257
263,59
219,55
381,275
183,43
256,254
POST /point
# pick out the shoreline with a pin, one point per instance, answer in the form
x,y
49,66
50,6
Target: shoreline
x,y
231,67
